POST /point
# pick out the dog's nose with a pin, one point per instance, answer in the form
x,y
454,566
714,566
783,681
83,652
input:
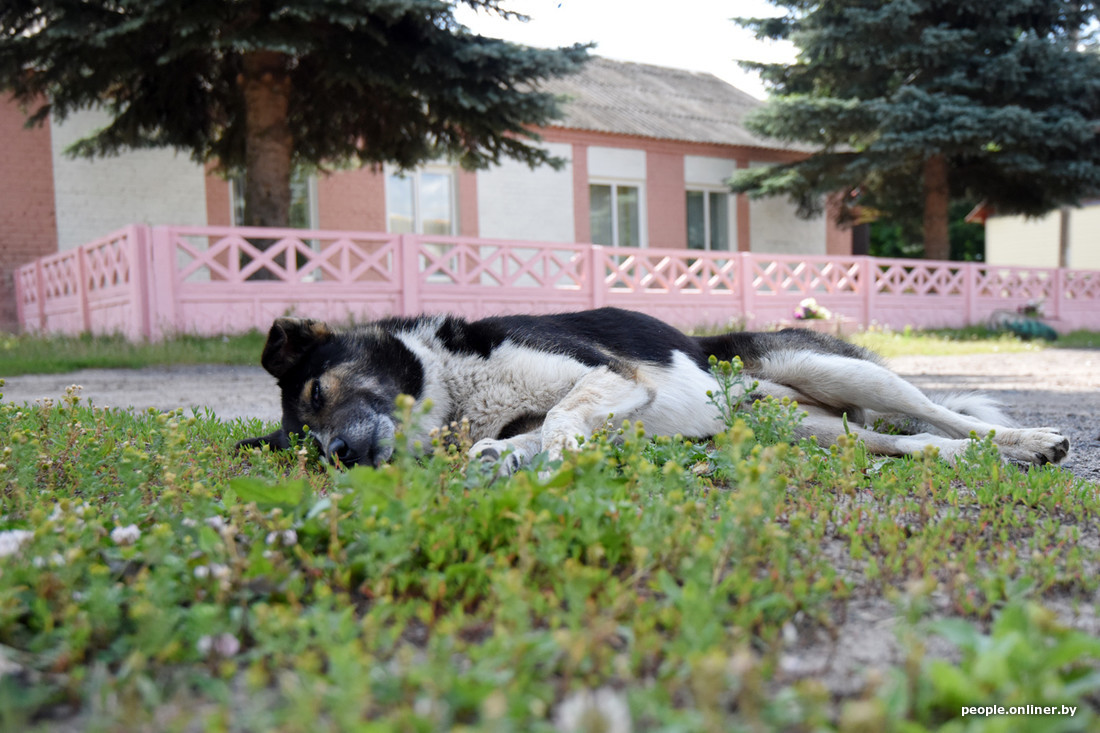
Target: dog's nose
x,y
338,450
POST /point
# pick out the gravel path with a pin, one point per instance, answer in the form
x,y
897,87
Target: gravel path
x,y
1056,387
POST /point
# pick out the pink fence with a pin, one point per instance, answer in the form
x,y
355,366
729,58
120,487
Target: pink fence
x,y
146,282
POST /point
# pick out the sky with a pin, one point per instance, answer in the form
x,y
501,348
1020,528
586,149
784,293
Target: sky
x,y
697,35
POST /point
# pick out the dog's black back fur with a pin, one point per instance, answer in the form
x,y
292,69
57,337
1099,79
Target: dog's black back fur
x,y
299,352
587,337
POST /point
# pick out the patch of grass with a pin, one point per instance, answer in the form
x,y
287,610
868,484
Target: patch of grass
x,y
1080,339
153,579
943,342
59,354
969,340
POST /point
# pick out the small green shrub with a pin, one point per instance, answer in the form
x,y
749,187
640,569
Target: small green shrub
x,y
153,579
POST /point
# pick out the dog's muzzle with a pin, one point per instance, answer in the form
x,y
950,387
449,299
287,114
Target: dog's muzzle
x,y
362,441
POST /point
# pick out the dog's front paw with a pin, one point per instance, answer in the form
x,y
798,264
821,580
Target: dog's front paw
x,y
1035,445
507,457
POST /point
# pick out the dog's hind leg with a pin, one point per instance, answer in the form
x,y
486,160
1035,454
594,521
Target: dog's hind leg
x,y
826,428
848,384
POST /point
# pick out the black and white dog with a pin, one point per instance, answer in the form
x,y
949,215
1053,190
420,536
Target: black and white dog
x,y
528,384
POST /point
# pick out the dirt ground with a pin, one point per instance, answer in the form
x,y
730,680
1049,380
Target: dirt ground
x,y
1055,387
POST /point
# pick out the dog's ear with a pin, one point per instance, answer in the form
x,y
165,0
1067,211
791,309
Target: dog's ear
x,y
289,340
277,440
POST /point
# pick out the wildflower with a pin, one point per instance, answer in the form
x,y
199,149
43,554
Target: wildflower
x,y
587,711
286,538
216,522
55,560
12,539
215,570
808,309
222,645
125,535
219,571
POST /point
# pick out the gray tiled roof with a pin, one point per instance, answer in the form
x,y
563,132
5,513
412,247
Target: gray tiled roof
x,y
658,102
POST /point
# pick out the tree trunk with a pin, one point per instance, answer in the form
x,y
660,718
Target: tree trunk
x,y
1063,236
937,201
268,142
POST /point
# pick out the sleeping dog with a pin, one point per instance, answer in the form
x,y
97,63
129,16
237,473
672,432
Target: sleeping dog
x,y
528,384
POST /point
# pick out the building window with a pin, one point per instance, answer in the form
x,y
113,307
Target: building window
x,y
421,202
708,220
615,212
303,200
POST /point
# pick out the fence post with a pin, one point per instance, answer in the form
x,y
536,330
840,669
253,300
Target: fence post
x,y
868,280
139,279
40,285
970,293
1058,291
163,312
409,244
597,277
82,290
744,272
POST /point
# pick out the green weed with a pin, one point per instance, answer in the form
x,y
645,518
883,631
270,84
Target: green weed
x,y
153,579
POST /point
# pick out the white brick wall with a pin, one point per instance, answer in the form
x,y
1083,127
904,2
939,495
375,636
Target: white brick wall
x,y
516,202
776,229
95,197
620,164
705,171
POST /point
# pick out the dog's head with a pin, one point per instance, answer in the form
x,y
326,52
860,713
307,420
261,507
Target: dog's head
x,y
342,385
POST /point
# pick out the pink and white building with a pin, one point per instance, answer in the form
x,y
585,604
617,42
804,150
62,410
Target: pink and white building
x,y
646,152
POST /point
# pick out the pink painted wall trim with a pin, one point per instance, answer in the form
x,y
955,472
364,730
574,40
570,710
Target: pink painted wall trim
x,y
666,203
28,220
352,199
581,213
151,282
467,203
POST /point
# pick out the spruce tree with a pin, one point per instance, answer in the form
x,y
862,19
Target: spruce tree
x,y
913,103
260,86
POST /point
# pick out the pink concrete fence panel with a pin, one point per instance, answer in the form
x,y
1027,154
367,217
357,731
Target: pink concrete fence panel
x,y
148,282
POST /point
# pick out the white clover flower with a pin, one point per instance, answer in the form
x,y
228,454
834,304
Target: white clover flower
x,y
286,538
216,522
189,522
202,572
12,539
219,571
125,535
599,711
222,645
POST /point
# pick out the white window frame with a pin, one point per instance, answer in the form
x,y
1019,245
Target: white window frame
x,y
615,183
731,213
414,175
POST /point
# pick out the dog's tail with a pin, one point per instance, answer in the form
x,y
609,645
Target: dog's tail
x,y
973,404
